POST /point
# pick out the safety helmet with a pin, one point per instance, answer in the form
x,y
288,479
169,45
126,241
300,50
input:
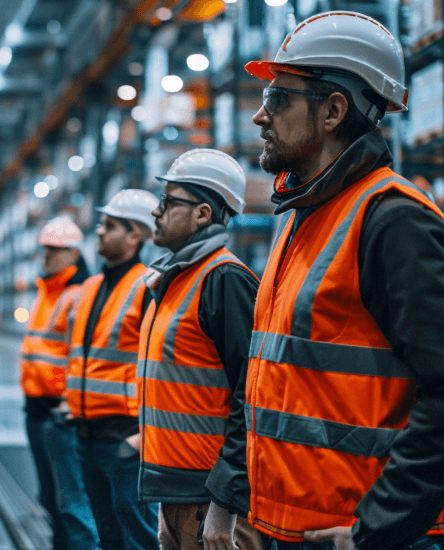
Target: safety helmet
x,y
132,204
213,170
62,233
329,46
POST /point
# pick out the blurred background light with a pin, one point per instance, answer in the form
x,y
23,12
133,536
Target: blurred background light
x,y
74,125
164,14
276,3
77,200
230,1
172,83
126,92
52,181
170,133
75,163
53,27
138,113
5,56
110,132
21,315
41,189
14,33
197,62
89,160
135,68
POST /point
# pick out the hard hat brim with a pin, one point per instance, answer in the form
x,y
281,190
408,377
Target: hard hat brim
x,y
267,70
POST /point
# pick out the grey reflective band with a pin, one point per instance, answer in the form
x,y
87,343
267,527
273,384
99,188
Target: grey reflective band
x,y
180,374
54,361
55,336
107,387
169,343
285,218
326,434
328,357
113,339
184,423
112,355
302,315
75,352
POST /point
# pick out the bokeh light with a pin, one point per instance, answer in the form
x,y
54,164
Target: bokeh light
x,y
41,189
172,83
5,56
21,315
198,62
75,163
138,113
52,181
126,92
164,14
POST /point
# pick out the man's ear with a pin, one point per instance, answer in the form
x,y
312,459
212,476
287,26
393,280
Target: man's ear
x,y
337,106
203,214
135,236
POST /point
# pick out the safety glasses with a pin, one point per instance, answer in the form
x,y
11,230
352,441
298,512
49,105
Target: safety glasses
x,y
165,199
278,99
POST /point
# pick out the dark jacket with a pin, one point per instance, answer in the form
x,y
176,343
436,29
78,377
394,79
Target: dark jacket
x,y
401,268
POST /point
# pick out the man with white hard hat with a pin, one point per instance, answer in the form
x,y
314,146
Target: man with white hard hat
x,y
345,390
44,359
193,351
101,385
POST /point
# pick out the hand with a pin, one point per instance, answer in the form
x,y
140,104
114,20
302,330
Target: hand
x,y
340,536
134,441
63,408
219,529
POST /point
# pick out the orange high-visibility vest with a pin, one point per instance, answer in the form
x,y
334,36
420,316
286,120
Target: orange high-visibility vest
x,y
44,350
182,390
104,384
326,396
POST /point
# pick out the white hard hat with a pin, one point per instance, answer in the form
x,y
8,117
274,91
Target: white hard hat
x,y
343,41
132,204
61,233
213,170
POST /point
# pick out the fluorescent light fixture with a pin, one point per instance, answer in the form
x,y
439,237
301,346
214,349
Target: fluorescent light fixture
x,y
126,92
41,189
172,83
75,163
198,62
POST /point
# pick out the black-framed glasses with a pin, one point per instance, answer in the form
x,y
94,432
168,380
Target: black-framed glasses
x,y
165,199
278,99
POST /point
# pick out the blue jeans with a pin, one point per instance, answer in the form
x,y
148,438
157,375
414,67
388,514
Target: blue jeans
x,y
47,498
72,502
111,483
424,543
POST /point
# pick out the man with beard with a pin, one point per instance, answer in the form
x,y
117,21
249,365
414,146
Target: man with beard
x,y
193,351
345,388
102,374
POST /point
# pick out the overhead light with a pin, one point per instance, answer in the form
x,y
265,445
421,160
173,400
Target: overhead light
x,y
5,56
198,62
138,113
21,315
172,83
135,68
126,92
75,163
110,132
170,133
53,27
276,3
14,33
164,14
41,189
52,181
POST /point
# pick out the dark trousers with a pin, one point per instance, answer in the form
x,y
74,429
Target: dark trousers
x,y
111,483
47,494
424,543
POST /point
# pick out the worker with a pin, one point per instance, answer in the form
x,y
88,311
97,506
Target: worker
x,y
345,388
101,390
194,342
44,358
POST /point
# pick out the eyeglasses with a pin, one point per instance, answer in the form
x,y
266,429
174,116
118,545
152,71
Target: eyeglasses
x,y
278,99
165,199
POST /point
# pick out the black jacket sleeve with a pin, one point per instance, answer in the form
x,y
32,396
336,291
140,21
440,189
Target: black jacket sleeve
x,y
226,311
402,286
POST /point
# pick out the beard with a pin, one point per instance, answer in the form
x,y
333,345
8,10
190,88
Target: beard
x,y
281,157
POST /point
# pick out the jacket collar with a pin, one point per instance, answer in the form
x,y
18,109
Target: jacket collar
x,y
58,281
200,245
366,154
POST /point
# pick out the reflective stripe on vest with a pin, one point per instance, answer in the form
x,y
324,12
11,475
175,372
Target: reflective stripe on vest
x,y
184,423
51,360
326,395
101,386
47,335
